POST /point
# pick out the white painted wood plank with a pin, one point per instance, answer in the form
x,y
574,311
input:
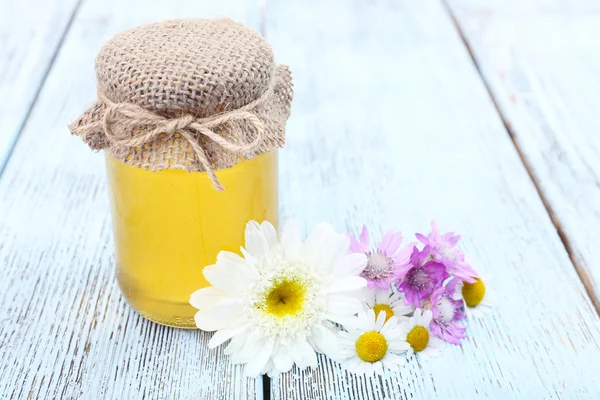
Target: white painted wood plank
x,y
534,7
392,126
65,330
29,37
542,67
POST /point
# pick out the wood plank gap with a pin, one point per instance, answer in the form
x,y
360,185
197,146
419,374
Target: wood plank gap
x,y
266,384
581,272
11,146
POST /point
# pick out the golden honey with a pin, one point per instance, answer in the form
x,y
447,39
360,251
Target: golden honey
x,y
170,224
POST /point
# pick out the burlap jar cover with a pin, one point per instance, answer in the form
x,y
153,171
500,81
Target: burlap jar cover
x,y
195,94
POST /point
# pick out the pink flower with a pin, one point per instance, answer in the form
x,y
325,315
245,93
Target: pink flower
x,y
443,250
420,277
446,313
382,262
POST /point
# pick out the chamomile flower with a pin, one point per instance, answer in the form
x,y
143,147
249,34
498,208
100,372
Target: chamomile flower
x,y
476,296
372,344
443,250
385,301
275,302
384,260
416,333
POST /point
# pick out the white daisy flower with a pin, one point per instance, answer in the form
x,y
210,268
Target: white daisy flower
x,y
372,344
275,302
417,335
476,296
392,303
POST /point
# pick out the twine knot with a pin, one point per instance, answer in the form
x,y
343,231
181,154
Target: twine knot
x,y
128,116
121,119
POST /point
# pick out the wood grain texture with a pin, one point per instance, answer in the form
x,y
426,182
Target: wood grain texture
x,y
29,38
392,126
65,330
542,67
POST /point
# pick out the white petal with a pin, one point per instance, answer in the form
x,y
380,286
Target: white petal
x,y
349,265
323,246
237,343
256,242
229,275
382,296
249,350
401,309
357,365
436,342
372,320
225,334
255,365
342,305
380,321
370,368
345,337
426,317
325,341
337,248
396,298
283,360
344,320
389,328
345,284
223,315
345,354
290,239
378,367
303,354
206,297
392,361
398,347
269,368
228,259
270,234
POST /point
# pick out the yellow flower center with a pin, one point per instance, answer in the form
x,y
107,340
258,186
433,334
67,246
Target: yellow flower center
x,y
474,292
418,337
285,297
371,346
389,313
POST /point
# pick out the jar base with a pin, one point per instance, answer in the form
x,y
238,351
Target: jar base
x,y
173,322
171,314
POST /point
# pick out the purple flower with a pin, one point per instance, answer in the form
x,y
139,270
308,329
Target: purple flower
x,y
446,313
384,261
443,250
420,277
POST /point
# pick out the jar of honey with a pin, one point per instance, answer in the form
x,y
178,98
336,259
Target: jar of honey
x,y
190,114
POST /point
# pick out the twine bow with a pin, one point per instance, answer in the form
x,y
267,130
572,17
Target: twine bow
x,y
128,116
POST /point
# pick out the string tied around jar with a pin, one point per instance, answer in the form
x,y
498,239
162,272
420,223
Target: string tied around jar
x,y
128,116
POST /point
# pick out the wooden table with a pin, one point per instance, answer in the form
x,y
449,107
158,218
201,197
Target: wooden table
x,y
482,115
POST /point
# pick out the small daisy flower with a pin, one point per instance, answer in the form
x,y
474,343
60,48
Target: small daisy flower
x,y
420,277
383,261
384,301
443,249
275,303
475,295
372,344
446,313
417,335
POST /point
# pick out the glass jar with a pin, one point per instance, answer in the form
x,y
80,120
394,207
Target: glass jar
x,y
190,114
169,224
